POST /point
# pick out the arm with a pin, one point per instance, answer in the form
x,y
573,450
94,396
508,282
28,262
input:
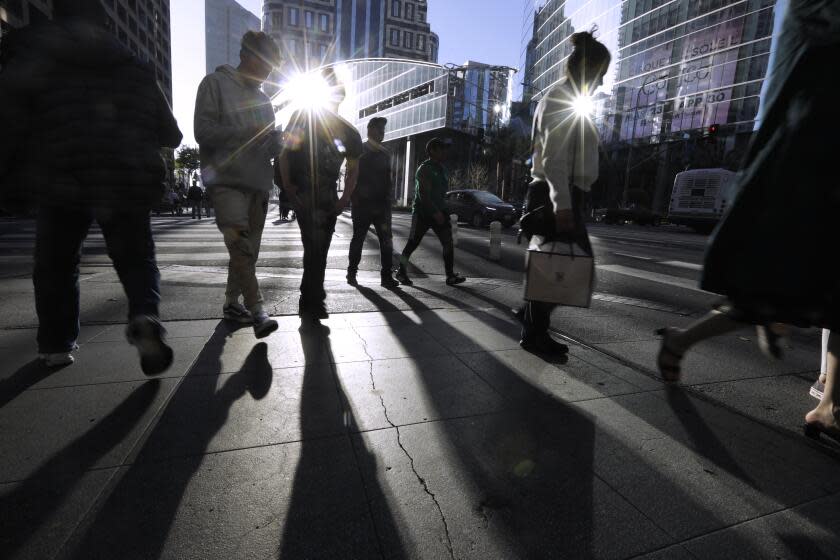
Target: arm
x,y
209,131
289,188
169,135
555,162
349,184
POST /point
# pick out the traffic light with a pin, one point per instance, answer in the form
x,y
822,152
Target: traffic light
x,y
711,134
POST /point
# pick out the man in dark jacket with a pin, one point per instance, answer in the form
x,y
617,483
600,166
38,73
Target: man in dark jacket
x,y
372,203
83,125
195,195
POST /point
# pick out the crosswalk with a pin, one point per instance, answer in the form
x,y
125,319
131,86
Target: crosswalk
x,y
182,240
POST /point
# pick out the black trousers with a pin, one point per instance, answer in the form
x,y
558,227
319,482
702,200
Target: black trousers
x,y
316,231
380,218
536,316
419,226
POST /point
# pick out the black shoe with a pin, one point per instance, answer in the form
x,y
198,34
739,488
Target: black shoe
x,y
519,314
455,279
147,335
351,278
402,277
389,282
543,345
313,310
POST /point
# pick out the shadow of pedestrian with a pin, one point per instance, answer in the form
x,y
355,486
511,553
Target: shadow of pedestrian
x,y
25,508
329,513
27,376
529,464
134,520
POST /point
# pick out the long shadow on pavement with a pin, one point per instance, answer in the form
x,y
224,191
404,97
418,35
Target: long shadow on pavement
x,y
25,377
25,508
135,519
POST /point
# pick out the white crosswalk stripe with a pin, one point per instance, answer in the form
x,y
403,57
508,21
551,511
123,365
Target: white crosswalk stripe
x,y
188,242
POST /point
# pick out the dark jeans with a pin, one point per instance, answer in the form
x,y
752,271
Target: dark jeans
x,y
536,318
196,209
419,226
381,220
60,233
316,231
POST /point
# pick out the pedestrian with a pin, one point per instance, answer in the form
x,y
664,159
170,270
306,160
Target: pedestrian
x,y
234,127
78,110
371,203
318,142
767,256
195,196
565,164
431,182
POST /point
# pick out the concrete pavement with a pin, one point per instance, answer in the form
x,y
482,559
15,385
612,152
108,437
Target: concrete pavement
x,y
419,430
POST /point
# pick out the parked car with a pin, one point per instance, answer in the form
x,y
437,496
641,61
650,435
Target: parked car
x,y
637,215
479,208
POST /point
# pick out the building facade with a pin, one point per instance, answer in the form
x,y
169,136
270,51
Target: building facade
x,y
683,89
142,26
481,96
312,33
225,22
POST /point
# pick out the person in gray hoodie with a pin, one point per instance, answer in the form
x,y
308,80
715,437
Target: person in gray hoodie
x,y
234,127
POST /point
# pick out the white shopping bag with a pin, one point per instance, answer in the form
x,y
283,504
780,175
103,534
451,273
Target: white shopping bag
x,y
559,272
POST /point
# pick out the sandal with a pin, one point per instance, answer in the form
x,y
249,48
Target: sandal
x,y
668,360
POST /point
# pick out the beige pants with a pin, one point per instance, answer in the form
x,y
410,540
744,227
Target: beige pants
x,y
240,215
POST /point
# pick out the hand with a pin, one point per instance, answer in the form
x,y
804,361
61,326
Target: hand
x,y
440,218
564,221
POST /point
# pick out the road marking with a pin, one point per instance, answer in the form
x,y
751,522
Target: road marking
x,y
633,256
681,264
652,276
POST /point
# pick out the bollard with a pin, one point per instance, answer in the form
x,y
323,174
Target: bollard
x,y
495,241
453,220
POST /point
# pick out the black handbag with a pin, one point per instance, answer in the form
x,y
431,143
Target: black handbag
x,y
538,212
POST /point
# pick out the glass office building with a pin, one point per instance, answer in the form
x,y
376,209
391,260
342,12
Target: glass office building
x,y
422,100
685,82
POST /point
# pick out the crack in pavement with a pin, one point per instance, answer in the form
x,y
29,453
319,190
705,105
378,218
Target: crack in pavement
x,y
420,479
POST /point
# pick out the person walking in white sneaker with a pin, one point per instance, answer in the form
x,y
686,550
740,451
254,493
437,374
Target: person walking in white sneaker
x,y
234,127
78,110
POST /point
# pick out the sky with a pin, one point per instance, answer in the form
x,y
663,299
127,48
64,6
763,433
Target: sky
x,y
488,31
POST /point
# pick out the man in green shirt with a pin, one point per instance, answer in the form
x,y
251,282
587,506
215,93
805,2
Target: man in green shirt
x,y
429,211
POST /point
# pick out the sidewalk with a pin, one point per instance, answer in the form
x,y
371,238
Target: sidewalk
x,y
419,433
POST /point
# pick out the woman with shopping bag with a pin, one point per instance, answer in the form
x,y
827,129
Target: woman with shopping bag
x,y
565,164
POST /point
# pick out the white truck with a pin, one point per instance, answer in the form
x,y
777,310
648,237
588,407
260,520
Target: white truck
x,y
701,197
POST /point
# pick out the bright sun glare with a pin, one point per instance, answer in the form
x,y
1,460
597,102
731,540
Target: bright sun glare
x,y
307,91
583,105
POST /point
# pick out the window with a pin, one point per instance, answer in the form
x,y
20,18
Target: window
x,y
324,21
421,15
310,19
276,19
322,51
395,37
293,47
421,43
409,11
293,17
408,40
395,8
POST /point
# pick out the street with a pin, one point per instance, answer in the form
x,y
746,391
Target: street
x,y
416,427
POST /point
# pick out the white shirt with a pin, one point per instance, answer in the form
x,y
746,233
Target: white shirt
x,y
558,159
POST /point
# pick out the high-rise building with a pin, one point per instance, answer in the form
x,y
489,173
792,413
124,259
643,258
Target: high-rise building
x,y
141,25
481,96
225,22
684,86
312,33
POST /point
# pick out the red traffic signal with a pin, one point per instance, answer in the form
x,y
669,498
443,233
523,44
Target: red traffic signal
x,y
713,129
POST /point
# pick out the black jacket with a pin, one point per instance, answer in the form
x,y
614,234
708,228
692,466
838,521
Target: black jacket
x,y
84,121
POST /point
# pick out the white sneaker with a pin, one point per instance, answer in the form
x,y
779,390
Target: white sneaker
x,y
237,313
263,324
57,359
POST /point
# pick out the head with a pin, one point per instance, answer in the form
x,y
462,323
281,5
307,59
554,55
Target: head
x,y
588,62
376,129
258,56
91,11
437,149
337,91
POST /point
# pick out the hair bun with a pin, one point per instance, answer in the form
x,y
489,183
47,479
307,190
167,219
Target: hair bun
x,y
581,38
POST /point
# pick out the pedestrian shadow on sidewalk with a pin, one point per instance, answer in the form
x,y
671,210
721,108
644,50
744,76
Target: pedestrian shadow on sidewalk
x,y
25,508
135,519
529,464
334,490
27,376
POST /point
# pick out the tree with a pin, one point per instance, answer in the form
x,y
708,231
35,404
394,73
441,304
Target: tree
x,y
478,176
506,144
188,159
457,180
